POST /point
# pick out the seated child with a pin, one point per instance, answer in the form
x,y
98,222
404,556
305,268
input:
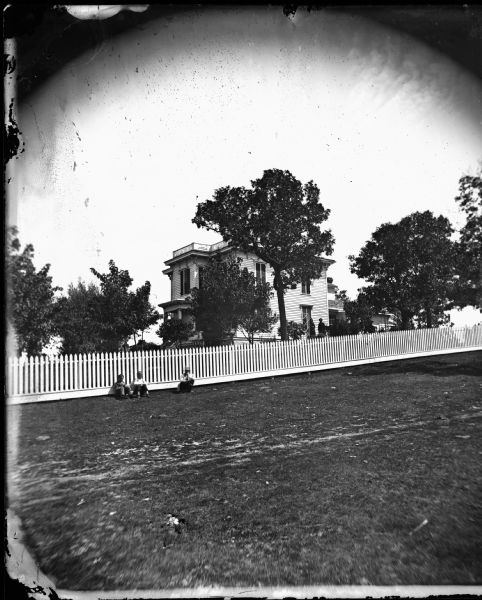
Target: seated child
x,y
121,388
139,386
186,383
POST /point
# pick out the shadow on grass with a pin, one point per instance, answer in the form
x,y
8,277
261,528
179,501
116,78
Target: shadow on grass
x,y
448,366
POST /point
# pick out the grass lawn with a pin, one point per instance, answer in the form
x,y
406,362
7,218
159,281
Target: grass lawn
x,y
368,475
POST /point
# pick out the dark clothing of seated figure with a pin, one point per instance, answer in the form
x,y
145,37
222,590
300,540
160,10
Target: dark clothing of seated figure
x,y
139,388
185,386
186,383
139,385
121,389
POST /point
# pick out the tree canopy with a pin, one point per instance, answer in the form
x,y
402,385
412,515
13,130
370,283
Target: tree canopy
x,y
121,313
77,320
254,310
230,298
469,249
142,313
411,266
174,332
31,304
359,313
279,220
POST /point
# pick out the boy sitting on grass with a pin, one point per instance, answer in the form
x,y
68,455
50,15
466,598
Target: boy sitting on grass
x,y
121,389
186,383
139,386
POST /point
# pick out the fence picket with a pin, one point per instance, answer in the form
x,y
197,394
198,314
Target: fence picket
x,y
41,383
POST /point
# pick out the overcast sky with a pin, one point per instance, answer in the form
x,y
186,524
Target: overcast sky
x,y
123,142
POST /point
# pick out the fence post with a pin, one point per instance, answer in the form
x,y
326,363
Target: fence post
x,y
11,377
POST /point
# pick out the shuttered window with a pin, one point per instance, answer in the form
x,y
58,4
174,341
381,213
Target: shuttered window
x,y
185,275
260,272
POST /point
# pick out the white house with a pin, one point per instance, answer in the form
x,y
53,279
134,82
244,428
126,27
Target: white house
x,y
304,301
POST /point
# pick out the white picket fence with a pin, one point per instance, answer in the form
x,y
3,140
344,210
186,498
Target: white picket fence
x,y
51,378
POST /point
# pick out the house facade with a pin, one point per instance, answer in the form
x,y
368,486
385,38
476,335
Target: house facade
x,y
304,301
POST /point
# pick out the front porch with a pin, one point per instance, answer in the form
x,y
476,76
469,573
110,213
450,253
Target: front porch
x,y
176,309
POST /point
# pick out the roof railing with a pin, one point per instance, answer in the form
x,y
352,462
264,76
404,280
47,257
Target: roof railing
x,y
201,247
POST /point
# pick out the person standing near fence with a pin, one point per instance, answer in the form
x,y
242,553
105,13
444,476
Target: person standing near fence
x,y
321,328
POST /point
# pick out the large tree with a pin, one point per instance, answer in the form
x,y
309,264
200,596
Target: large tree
x,y
121,312
411,266
230,298
78,320
143,313
114,316
31,304
469,250
279,220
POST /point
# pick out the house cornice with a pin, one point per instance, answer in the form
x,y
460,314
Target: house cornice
x,y
197,253
206,251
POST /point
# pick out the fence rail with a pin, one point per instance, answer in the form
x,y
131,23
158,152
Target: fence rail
x,y
31,378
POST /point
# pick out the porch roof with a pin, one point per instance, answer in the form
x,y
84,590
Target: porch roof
x,y
174,304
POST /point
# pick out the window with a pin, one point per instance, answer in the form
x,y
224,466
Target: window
x,y
260,273
306,287
201,273
185,275
306,315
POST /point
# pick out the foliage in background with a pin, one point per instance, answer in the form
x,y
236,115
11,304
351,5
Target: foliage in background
x,y
77,321
279,220
230,298
295,331
339,327
113,310
121,313
31,304
312,329
469,249
174,331
143,346
411,266
254,314
142,313
359,313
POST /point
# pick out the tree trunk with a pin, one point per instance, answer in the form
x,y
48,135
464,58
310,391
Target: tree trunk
x,y
278,286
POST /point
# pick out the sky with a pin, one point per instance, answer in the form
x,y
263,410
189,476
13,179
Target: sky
x,y
124,141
